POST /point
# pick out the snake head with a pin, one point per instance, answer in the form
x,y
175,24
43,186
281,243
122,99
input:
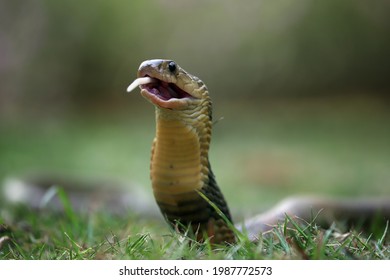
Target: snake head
x,y
165,84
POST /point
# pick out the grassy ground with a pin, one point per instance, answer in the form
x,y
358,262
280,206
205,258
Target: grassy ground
x,y
269,152
101,236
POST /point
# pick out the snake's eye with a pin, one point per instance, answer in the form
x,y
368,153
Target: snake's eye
x,y
172,66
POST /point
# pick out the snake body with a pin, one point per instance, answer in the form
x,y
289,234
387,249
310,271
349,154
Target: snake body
x,y
181,172
180,166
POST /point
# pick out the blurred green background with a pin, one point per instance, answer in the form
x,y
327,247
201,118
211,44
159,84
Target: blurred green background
x,y
302,87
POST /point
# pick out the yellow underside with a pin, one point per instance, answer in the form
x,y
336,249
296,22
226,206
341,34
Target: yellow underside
x,y
176,164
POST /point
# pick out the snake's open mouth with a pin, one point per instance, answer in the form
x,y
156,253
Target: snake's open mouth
x,y
160,89
164,90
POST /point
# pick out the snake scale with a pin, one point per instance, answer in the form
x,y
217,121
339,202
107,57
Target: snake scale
x,y
183,182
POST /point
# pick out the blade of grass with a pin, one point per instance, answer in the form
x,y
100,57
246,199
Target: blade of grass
x,y
297,227
383,238
282,239
222,215
68,209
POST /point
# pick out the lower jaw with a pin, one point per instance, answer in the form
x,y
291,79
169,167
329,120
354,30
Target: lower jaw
x,y
173,103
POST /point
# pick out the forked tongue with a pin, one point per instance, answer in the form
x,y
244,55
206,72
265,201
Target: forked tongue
x,y
140,81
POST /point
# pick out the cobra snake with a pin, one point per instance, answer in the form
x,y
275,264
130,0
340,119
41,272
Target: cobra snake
x,y
183,182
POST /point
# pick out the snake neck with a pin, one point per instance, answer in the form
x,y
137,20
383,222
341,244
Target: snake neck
x,y
180,162
180,169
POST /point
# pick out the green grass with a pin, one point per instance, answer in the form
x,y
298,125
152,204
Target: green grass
x,y
273,152
71,236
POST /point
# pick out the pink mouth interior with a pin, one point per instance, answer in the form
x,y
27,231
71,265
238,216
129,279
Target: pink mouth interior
x,y
165,91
